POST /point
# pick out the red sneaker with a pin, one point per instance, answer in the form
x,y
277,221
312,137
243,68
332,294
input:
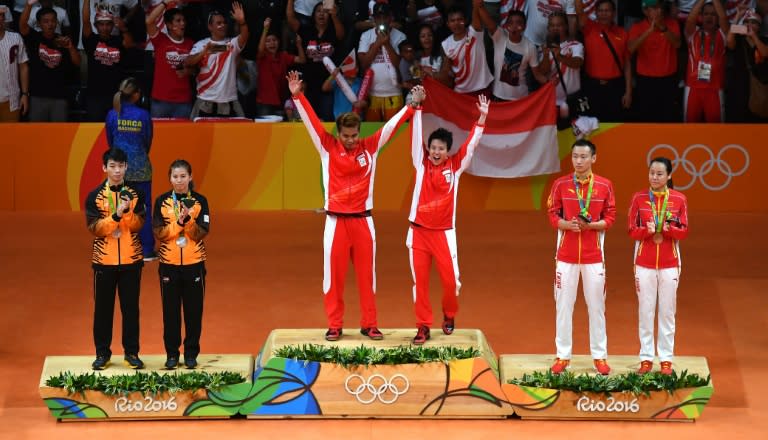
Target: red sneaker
x,y
601,365
372,332
422,334
560,365
449,325
645,367
333,334
666,368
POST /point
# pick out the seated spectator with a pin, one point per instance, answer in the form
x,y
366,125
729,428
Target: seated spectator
x,y
430,59
14,73
321,37
465,50
272,88
655,40
562,58
513,55
608,80
61,15
171,88
53,63
378,52
216,57
703,100
106,55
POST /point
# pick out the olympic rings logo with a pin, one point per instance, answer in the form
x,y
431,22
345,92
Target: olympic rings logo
x,y
377,387
699,173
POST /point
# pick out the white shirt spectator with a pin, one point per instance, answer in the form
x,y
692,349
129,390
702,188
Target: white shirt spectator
x,y
384,73
511,62
305,7
537,13
473,75
216,81
571,76
61,15
12,53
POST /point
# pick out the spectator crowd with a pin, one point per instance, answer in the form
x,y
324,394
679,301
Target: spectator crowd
x,y
630,60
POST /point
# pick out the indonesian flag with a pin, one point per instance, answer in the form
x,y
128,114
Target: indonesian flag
x,y
349,65
520,137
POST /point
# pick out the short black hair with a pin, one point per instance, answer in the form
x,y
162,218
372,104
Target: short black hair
x,y
441,134
45,11
585,143
170,14
114,154
455,9
518,13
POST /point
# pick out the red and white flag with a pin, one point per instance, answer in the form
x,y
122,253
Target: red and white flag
x,y
520,137
348,65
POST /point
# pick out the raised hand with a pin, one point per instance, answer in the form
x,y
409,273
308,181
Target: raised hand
x,y
418,95
294,82
483,106
237,13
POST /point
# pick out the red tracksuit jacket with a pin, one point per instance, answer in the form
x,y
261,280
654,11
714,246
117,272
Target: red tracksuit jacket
x,y
667,253
348,175
584,247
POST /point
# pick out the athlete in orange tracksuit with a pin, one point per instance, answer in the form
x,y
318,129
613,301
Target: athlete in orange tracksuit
x,y
581,207
114,213
658,220
433,217
349,167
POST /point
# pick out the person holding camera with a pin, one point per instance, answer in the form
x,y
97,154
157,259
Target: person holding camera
x,y
581,206
562,58
658,220
114,213
216,58
513,56
53,65
180,222
703,99
378,51
129,127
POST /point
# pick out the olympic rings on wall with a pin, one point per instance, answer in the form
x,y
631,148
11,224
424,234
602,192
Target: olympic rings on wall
x,y
705,168
377,387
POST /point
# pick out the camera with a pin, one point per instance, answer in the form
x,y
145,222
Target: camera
x,y
382,28
553,41
740,29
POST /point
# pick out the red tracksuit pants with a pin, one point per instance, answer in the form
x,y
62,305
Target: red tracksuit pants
x,y
345,238
423,245
703,105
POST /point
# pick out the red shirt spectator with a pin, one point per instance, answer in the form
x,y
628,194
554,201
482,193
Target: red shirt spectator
x,y
656,56
169,59
598,62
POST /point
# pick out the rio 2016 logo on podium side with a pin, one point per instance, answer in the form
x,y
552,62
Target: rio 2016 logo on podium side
x,y
377,387
702,170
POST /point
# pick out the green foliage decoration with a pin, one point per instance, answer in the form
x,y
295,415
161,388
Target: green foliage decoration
x,y
145,383
349,357
630,382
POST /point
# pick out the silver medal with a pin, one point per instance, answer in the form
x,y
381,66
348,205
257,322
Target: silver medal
x,y
181,241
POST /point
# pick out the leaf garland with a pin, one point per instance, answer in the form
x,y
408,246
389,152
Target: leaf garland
x,y
630,382
144,383
349,357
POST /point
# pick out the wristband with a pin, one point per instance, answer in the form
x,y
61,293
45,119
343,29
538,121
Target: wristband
x,y
24,93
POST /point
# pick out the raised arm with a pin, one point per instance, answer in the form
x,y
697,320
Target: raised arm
x,y
693,19
722,18
338,25
290,16
309,118
24,19
239,16
151,20
301,58
581,16
485,17
417,135
262,50
468,149
476,22
128,41
86,16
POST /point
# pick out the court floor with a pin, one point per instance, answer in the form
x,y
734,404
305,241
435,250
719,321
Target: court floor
x,y
265,272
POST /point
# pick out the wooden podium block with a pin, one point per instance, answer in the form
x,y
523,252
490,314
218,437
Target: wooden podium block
x,y
96,405
466,388
684,404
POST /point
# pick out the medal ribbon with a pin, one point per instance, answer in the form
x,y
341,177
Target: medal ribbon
x,y
112,203
660,215
583,206
711,46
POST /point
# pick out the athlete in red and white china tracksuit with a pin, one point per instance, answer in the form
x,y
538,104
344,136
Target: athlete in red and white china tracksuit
x,y
433,221
349,232
581,253
657,268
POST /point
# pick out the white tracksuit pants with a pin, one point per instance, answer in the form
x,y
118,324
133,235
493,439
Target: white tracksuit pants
x,y
566,285
651,284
